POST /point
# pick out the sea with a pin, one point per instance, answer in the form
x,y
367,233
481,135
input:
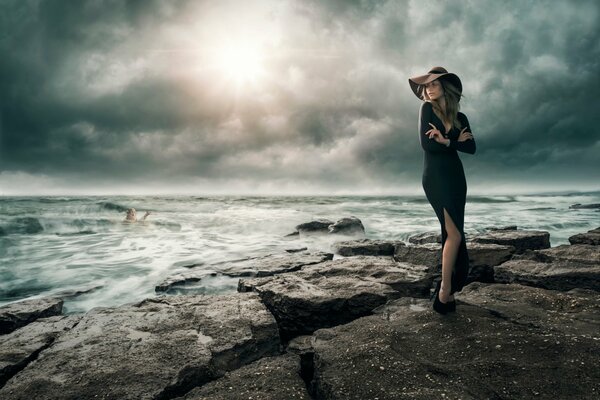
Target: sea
x,y
80,248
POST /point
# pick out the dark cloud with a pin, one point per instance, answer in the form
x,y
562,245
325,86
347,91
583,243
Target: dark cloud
x,y
126,90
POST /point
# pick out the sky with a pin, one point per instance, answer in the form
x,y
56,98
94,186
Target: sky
x,y
291,97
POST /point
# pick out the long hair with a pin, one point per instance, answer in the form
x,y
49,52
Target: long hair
x,y
452,98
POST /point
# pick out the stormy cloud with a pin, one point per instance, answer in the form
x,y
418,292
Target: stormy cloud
x,y
134,96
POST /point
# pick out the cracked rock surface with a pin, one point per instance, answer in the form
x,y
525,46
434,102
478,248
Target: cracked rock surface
x,y
500,345
159,348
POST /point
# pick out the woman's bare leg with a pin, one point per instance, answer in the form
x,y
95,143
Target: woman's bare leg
x,y
449,257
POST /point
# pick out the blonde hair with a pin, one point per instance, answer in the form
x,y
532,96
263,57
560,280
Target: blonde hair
x,y
452,98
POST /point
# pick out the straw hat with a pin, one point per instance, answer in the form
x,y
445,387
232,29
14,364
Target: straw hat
x,y
417,82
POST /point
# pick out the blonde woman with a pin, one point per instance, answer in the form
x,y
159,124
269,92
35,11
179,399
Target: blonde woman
x,y
443,131
131,216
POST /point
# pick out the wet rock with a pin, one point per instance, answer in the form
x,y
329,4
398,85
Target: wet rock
x,y
272,378
366,247
21,313
425,237
19,348
318,226
159,348
273,264
561,268
502,228
407,350
296,250
348,226
584,206
590,237
521,239
258,266
183,279
335,292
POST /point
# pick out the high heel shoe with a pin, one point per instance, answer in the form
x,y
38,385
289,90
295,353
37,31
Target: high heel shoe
x,y
451,306
438,306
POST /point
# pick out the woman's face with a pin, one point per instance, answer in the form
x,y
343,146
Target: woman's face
x,y
434,89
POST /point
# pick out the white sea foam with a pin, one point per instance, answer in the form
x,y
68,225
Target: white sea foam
x,y
52,244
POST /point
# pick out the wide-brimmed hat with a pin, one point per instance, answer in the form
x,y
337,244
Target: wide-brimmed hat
x,y
417,82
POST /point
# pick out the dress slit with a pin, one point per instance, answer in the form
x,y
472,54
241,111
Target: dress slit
x,y
460,269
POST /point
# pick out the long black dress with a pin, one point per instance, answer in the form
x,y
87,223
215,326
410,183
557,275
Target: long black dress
x,y
444,182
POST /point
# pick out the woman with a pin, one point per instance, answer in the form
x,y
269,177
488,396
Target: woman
x,y
131,216
443,131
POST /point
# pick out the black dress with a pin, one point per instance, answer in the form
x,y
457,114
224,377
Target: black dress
x,y
444,182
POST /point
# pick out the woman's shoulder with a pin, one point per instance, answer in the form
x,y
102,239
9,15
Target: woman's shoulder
x,y
461,116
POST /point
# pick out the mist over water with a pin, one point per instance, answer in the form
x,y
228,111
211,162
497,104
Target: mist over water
x,y
52,244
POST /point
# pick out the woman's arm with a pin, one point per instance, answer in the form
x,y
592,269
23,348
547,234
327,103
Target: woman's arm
x,y
468,146
425,117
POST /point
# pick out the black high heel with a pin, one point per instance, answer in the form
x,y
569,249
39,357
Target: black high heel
x,y
438,306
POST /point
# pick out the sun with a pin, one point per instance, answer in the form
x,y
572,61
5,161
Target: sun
x,y
241,64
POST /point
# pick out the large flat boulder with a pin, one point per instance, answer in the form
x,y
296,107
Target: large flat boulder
x,y
590,237
337,291
159,348
258,266
407,351
426,237
21,313
521,240
482,258
366,247
270,378
562,267
19,348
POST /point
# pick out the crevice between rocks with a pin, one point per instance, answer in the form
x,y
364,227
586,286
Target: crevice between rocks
x,y
11,371
307,372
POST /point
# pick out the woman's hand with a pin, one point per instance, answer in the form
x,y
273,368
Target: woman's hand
x,y
435,134
464,135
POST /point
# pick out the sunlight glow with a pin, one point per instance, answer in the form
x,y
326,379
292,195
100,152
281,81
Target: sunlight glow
x,y
241,64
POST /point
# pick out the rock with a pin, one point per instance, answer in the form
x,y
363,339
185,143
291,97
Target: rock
x,y
575,312
590,237
502,228
320,225
429,254
300,345
182,279
348,226
580,206
520,239
573,254
335,292
407,350
296,250
159,348
273,378
19,348
70,293
273,264
562,268
258,266
482,258
426,237
15,315
366,247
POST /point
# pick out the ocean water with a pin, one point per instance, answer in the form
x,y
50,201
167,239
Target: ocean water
x,y
49,245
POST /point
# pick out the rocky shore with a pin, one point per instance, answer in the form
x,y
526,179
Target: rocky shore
x,y
355,323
